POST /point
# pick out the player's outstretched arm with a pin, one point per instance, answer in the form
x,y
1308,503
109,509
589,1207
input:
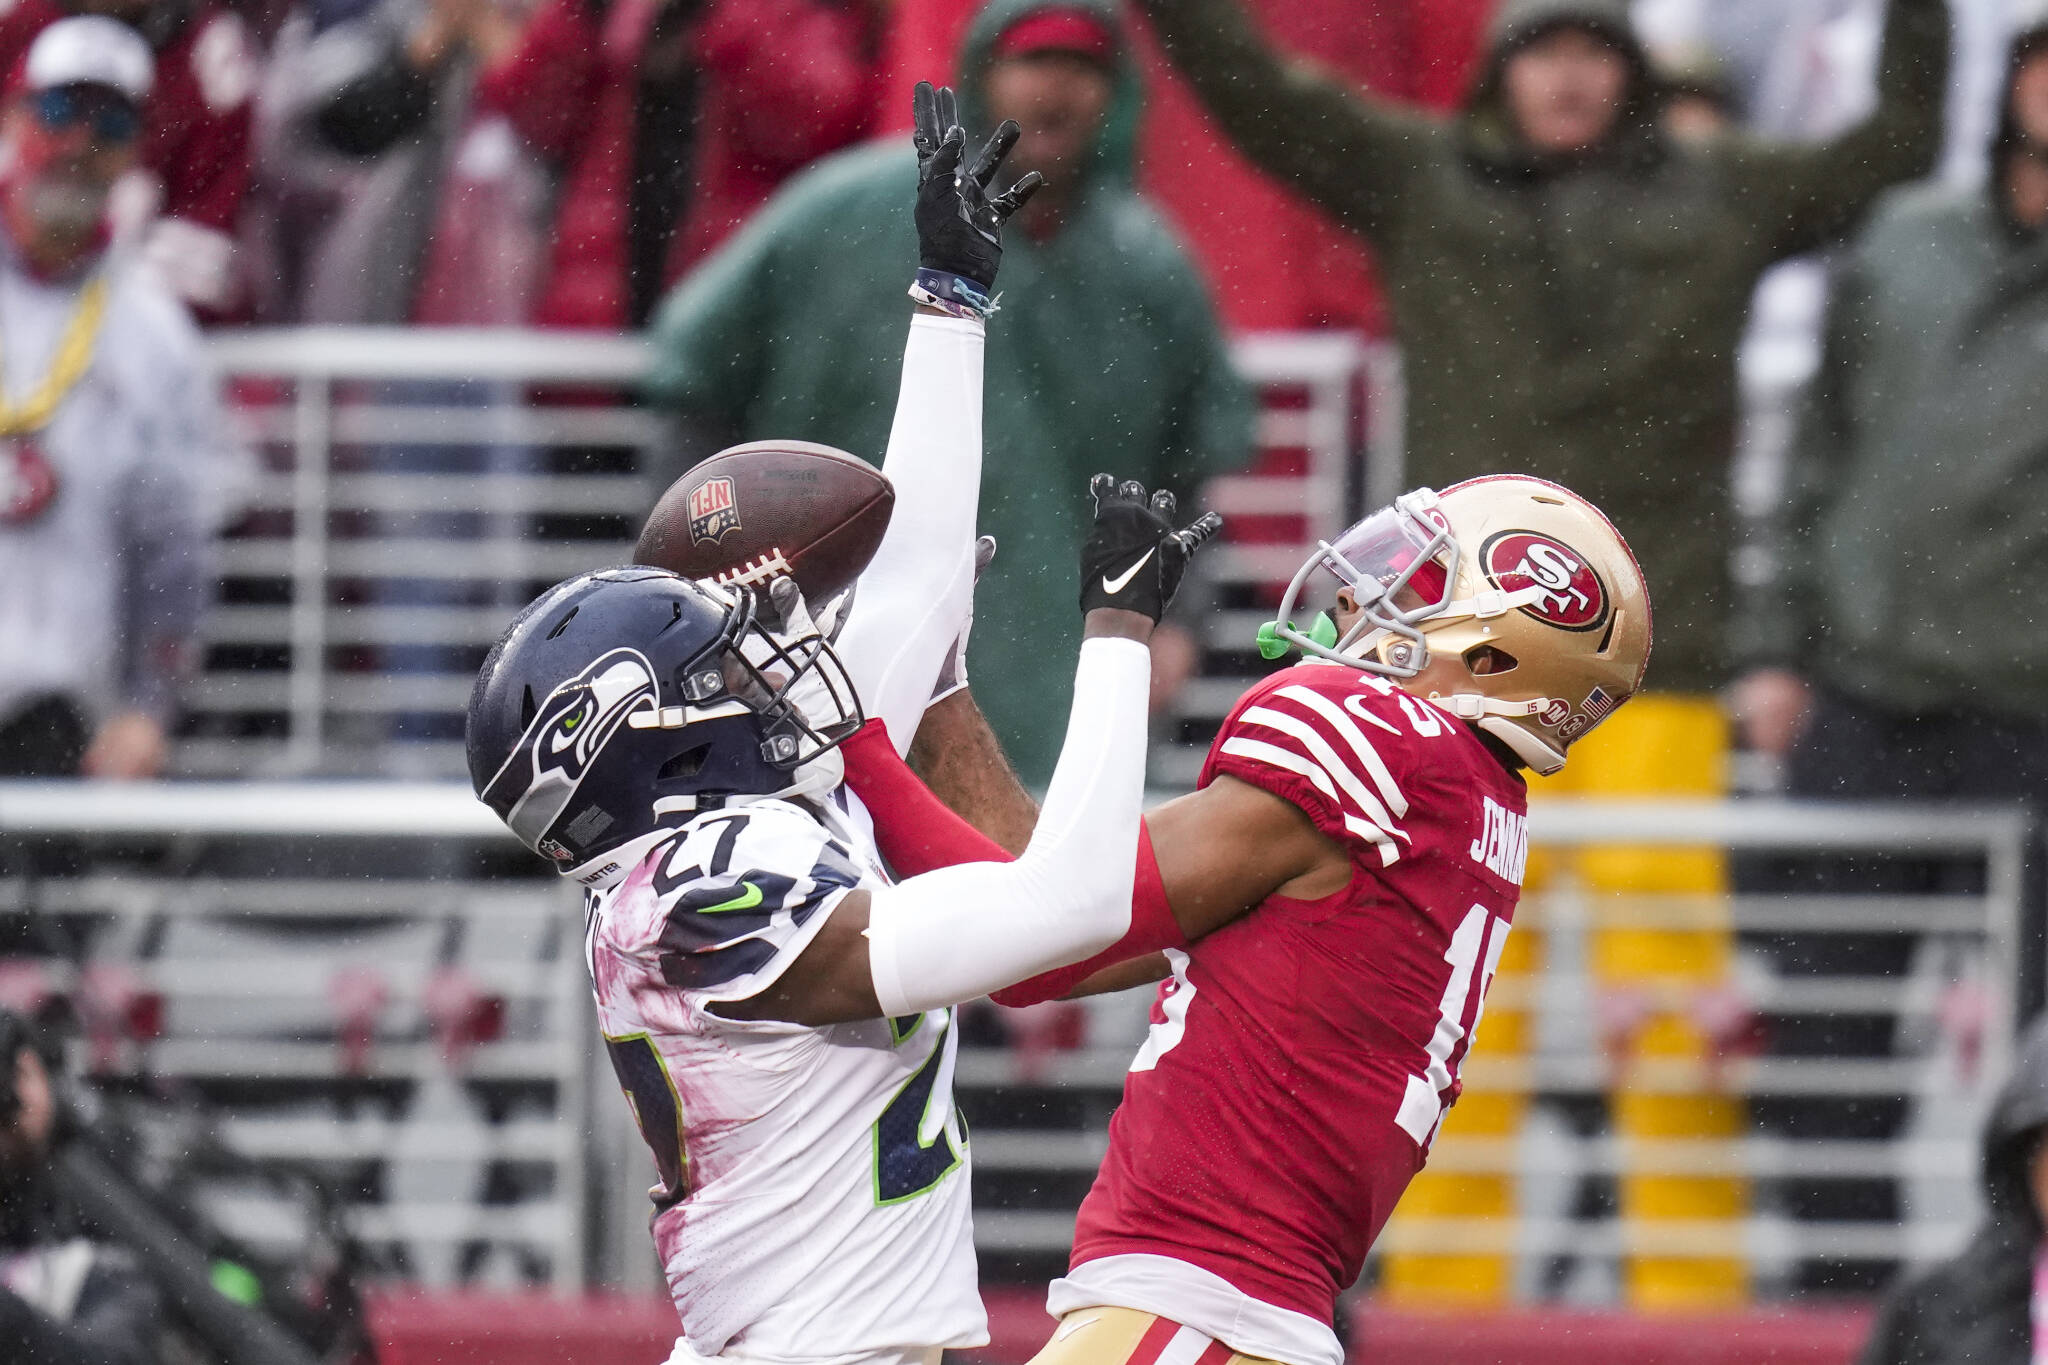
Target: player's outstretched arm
x,y
917,590
957,753
1202,861
1353,155
959,932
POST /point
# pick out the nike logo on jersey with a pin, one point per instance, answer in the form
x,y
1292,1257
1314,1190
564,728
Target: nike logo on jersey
x,y
1113,586
745,900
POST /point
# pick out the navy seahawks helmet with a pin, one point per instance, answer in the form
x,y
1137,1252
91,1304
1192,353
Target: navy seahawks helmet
x,y
621,698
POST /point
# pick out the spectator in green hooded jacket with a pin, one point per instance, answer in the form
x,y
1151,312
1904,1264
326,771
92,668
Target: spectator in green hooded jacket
x,y
1568,283
1894,643
1906,580
1105,353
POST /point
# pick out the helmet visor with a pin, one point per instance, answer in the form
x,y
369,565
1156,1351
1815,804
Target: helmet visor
x,y
1396,561
1398,567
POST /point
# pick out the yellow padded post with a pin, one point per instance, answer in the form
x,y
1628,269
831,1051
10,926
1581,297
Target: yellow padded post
x,y
1657,745
1666,746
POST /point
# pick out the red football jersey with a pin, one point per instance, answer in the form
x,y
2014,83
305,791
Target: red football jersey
x,y
1301,1058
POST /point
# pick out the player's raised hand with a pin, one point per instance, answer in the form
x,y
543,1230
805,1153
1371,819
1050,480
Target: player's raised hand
x,y
792,615
959,222
1134,559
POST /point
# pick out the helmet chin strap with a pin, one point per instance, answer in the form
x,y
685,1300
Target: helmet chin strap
x,y
815,777
1478,706
1539,756
1497,718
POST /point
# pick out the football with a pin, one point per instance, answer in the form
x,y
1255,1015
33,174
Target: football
x,y
754,512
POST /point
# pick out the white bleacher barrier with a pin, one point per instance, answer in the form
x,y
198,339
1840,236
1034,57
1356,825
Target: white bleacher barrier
x,y
1935,1158
338,972
1035,1158
420,484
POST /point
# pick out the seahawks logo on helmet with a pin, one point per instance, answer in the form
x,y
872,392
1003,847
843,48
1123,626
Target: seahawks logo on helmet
x,y
565,736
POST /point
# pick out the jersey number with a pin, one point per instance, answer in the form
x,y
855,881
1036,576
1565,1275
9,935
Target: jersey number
x,y
913,1150
657,1110
908,1161
1480,938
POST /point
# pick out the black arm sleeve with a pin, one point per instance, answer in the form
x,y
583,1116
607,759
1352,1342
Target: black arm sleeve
x,y
1351,154
372,112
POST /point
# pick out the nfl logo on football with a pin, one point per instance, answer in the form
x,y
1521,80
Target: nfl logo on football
x,y
712,510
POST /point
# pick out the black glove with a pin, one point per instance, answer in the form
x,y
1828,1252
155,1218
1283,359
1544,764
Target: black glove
x,y
1134,559
959,223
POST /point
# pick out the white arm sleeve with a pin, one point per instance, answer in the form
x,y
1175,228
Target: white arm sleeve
x,y
917,591
960,932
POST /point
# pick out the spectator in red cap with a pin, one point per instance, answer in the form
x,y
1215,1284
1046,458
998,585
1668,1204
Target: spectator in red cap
x,y
1053,72
194,156
112,446
1272,259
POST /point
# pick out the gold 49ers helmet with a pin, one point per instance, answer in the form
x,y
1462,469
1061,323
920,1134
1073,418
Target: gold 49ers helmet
x,y
1525,584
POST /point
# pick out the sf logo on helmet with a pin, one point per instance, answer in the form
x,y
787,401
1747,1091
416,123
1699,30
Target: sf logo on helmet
x,y
1571,594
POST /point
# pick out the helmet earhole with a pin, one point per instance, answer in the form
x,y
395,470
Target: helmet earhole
x,y
1488,660
686,764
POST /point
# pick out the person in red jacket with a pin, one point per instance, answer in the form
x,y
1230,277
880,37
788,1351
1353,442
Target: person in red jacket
x,y
186,198
671,121
1272,260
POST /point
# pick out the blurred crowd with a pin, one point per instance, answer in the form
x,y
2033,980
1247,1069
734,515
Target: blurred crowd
x,y
1560,209
1589,226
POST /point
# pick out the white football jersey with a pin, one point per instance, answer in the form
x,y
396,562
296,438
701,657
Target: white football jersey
x,y
813,1203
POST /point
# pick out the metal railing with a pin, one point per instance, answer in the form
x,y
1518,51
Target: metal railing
x,y
1030,1176
1934,1160
336,973
421,484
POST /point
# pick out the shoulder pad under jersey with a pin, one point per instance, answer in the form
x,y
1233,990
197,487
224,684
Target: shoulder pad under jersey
x,y
726,906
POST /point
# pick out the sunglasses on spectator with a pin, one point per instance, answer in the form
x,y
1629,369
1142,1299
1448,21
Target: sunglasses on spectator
x,y
64,107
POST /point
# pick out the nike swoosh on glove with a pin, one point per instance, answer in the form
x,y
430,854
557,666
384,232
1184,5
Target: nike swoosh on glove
x,y
1134,560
